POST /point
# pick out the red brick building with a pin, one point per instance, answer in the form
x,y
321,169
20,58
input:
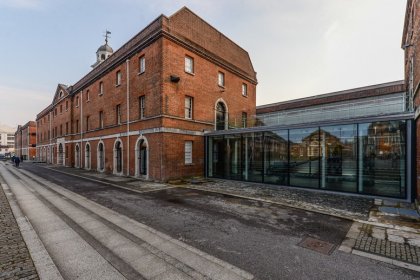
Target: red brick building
x,y
25,141
143,109
410,45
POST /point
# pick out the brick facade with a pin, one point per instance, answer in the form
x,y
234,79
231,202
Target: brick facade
x,y
410,45
71,130
25,141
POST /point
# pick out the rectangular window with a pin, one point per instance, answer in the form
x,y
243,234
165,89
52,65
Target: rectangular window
x,y
61,108
118,114
189,64
77,126
188,152
118,78
101,88
244,90
87,96
67,128
221,79
141,106
87,123
101,119
142,64
188,107
67,105
55,111
244,119
77,101
61,129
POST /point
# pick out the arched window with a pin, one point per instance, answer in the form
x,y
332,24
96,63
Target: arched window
x,y
87,156
101,157
118,161
221,116
77,156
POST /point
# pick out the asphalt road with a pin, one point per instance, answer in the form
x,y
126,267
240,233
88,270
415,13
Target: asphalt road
x,y
260,238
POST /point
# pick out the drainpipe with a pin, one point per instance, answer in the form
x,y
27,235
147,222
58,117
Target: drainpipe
x,y
81,129
50,134
128,116
36,140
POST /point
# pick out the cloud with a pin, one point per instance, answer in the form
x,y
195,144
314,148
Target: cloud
x,y
21,4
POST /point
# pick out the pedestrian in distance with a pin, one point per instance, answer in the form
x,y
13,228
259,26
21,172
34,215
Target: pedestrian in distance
x,y
17,161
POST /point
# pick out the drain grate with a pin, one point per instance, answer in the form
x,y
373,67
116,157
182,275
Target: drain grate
x,y
317,245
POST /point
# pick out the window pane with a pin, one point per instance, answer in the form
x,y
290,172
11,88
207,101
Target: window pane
x,y
382,147
189,64
304,157
188,152
234,157
339,157
276,157
252,147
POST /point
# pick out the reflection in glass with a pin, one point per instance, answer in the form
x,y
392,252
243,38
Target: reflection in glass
x,y
339,157
233,157
276,157
252,145
382,158
304,157
216,157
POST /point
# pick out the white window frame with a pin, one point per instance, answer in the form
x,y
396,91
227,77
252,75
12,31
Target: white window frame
x,y
142,101
189,64
188,150
244,89
188,107
118,112
221,79
118,78
101,119
142,64
101,88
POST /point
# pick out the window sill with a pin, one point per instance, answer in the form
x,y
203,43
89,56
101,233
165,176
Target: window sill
x,y
222,87
117,85
140,73
100,94
245,95
190,73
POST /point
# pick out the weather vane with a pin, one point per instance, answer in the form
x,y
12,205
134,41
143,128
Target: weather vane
x,y
107,36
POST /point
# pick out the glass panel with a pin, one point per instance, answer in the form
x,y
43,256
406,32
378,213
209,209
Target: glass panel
x,y
217,156
252,147
276,157
233,157
382,147
304,157
339,157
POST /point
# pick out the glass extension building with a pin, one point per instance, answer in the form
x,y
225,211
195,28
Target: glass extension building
x,y
343,145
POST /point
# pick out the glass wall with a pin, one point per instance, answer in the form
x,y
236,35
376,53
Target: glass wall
x,y
339,157
276,157
365,158
304,157
382,160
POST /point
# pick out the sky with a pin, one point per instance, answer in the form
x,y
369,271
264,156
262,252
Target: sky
x,y
298,48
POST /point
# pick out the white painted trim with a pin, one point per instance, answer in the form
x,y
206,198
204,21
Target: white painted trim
x,y
137,154
88,165
226,116
114,158
77,156
97,156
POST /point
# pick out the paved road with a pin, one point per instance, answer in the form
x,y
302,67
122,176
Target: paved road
x,y
259,238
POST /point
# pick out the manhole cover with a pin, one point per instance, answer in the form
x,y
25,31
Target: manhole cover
x,y
317,245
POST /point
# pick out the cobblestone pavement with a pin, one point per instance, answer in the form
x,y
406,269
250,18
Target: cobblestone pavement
x,y
377,241
15,260
351,207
